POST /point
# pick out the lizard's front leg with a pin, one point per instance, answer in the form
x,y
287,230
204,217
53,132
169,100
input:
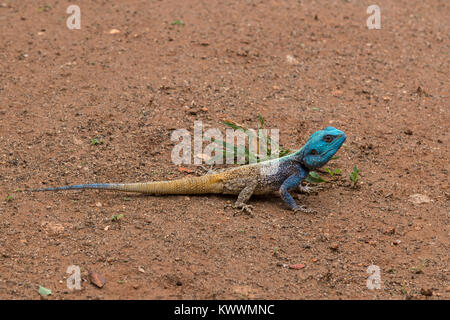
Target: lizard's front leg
x,y
291,183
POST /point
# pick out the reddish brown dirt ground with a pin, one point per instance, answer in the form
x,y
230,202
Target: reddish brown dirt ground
x,y
60,88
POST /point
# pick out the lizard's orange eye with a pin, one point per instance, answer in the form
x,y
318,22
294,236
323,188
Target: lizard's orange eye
x,y
313,152
328,138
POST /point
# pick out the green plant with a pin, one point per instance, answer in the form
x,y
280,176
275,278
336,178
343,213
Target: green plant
x,y
178,22
314,177
419,269
45,8
251,156
9,198
334,172
44,291
354,176
117,217
96,142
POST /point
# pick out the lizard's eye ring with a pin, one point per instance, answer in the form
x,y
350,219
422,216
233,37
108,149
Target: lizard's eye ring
x,y
328,138
313,152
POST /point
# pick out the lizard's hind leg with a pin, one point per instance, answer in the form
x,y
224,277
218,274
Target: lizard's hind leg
x,y
244,196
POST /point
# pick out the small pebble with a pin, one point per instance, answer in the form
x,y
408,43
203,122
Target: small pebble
x,y
334,246
97,279
297,266
426,292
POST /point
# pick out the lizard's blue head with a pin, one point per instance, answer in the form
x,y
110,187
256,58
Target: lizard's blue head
x,y
321,147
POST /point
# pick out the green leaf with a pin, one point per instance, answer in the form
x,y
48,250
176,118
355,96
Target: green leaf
x,y
44,291
117,217
333,173
284,152
314,177
96,142
226,145
178,22
354,175
233,125
261,120
228,149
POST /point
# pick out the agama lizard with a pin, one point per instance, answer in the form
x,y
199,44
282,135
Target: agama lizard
x,y
282,174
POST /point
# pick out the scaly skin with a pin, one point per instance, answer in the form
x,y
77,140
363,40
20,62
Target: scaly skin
x,y
282,174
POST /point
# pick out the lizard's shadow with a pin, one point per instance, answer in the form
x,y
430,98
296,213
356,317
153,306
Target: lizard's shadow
x,y
260,199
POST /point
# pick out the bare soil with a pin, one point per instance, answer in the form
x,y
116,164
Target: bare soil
x,y
387,89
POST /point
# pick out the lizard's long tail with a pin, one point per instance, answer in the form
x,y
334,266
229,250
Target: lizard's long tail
x,y
189,185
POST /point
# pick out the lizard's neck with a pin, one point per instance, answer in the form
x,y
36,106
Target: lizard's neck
x,y
297,157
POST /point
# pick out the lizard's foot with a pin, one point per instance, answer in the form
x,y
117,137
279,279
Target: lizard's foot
x,y
209,170
307,189
303,209
246,208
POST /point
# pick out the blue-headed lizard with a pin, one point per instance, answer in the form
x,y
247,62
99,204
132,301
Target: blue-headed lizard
x,y
282,174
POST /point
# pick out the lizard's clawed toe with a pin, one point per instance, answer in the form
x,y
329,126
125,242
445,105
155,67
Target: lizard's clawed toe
x,y
245,208
308,189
